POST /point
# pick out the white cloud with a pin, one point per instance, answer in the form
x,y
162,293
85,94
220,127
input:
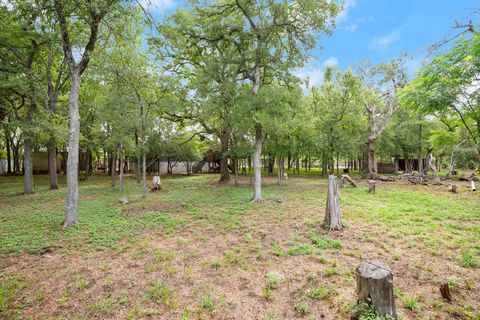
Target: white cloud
x,y
347,5
160,5
351,28
385,41
331,62
314,71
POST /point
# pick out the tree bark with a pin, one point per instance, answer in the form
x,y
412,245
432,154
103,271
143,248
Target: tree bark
x,y
375,287
70,217
333,219
120,176
420,146
114,168
9,160
257,170
27,167
52,164
224,171
144,175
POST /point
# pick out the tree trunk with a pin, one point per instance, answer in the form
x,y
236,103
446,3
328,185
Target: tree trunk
x,y
420,146
28,167
395,163
9,160
375,287
224,171
257,170
120,176
144,175
333,219
114,168
70,217
52,164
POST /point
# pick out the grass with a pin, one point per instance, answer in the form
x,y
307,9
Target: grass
x,y
160,256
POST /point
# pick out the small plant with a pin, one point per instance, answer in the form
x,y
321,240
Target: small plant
x,y
103,306
267,293
164,256
81,284
208,303
302,307
321,292
300,249
468,259
277,250
412,303
273,279
216,263
367,312
453,282
437,304
331,271
159,292
325,242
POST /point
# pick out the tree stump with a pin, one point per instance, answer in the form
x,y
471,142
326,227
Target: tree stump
x,y
157,184
474,188
371,186
346,178
375,287
445,291
333,219
452,188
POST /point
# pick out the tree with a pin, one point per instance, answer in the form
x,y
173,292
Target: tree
x,y
271,39
448,87
380,101
72,15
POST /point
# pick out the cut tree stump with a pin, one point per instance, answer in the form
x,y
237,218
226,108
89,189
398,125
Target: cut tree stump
x,y
452,188
346,178
371,186
333,219
157,184
375,287
445,291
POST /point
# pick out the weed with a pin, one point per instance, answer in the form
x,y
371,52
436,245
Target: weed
x,y
160,293
321,292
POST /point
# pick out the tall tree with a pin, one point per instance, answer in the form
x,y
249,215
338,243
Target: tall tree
x,y
78,14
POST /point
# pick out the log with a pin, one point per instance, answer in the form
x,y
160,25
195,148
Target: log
x,y
445,291
467,176
386,178
333,219
371,186
346,178
375,287
452,188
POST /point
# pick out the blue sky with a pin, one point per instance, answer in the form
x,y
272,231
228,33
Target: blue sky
x,y
376,30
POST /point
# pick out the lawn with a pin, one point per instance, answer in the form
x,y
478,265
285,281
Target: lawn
x,y
200,250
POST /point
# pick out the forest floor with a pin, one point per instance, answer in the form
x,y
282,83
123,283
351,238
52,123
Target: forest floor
x,y
200,250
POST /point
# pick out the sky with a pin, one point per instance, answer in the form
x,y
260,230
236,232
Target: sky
x,y
376,30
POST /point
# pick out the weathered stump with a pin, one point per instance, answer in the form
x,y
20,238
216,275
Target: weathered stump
x,y
452,188
371,186
346,178
333,219
157,184
375,287
445,291
474,188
